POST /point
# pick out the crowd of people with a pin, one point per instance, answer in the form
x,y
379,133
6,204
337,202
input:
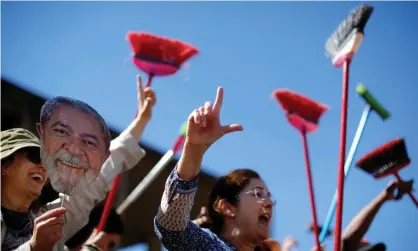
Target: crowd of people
x,y
237,216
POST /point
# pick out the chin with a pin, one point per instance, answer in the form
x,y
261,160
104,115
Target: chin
x,y
263,234
35,192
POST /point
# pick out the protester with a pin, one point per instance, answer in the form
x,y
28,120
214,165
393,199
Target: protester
x,y
240,204
354,233
26,228
203,221
110,239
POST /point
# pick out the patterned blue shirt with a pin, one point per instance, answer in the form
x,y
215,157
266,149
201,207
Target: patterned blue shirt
x,y
172,223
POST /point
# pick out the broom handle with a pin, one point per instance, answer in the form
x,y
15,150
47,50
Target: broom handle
x,y
343,138
310,187
115,184
347,166
409,193
150,177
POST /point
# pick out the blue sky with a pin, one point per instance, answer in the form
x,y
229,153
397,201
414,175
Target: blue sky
x,y
78,49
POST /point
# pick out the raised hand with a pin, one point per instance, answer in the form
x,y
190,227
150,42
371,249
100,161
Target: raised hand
x,y
146,100
204,126
288,243
397,189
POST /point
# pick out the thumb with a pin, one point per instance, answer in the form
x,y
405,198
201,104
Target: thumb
x,y
147,105
232,128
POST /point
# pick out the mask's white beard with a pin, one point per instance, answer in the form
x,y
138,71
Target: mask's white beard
x,y
65,179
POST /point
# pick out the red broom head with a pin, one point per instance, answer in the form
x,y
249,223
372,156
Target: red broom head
x,y
269,245
386,159
159,56
302,112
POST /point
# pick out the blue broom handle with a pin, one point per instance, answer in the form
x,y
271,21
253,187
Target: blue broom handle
x,y
347,165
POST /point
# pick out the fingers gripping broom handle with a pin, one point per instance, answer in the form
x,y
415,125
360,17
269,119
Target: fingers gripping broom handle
x,y
115,185
343,138
409,193
347,166
311,191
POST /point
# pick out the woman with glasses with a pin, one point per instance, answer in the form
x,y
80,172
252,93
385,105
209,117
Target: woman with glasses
x,y
240,203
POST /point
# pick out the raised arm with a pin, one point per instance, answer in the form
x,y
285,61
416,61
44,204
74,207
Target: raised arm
x,y
172,223
360,224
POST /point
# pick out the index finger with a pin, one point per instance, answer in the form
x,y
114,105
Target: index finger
x,y
219,99
140,89
52,213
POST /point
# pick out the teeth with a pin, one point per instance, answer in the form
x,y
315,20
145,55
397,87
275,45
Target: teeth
x,y
37,175
69,164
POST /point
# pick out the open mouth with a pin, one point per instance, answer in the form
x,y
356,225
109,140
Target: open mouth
x,y
37,177
264,219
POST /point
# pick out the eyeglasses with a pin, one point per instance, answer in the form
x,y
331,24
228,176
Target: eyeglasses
x,y
261,194
32,155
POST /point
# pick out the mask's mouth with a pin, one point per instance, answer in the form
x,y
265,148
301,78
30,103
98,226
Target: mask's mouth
x,y
71,165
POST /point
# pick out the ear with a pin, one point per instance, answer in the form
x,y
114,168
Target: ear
x,y
39,130
225,208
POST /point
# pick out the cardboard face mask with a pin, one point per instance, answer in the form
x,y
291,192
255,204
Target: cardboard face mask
x,y
75,143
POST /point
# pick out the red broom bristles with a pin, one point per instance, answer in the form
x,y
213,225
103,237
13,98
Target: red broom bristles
x,y
158,47
304,106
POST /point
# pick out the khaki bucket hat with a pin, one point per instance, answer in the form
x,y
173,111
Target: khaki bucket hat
x,y
15,139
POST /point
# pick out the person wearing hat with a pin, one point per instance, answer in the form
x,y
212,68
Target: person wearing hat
x,y
25,227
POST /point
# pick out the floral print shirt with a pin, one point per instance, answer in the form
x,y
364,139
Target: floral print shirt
x,y
172,223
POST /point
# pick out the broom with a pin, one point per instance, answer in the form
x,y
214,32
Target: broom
x,y
156,56
371,105
387,159
159,56
155,171
304,115
342,45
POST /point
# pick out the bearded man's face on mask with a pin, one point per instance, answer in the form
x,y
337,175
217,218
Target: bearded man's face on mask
x,y
73,148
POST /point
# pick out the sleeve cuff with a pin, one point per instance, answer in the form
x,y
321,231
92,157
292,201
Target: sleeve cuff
x,y
184,186
125,153
126,140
